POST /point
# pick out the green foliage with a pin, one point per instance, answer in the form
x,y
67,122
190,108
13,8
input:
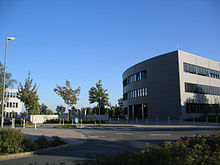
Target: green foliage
x,y
13,141
99,95
42,142
56,141
196,150
67,93
49,112
28,95
42,109
9,81
116,112
60,109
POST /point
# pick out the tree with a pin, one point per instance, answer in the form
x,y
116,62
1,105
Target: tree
x,y
42,109
9,81
49,112
28,95
99,95
60,109
69,95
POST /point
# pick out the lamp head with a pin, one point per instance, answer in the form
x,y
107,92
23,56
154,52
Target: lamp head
x,y
10,38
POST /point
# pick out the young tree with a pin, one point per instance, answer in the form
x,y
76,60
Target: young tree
x,y
69,95
60,109
42,109
49,112
9,81
99,95
28,95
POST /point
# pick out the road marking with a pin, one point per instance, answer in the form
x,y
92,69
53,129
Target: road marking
x,y
123,133
96,137
93,136
160,134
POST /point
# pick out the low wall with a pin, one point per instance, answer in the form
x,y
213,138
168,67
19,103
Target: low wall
x,y
42,118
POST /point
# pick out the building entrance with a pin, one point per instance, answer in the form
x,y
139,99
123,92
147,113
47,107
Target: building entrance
x,y
138,111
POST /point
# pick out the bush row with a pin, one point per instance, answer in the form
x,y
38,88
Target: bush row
x,y
13,141
188,151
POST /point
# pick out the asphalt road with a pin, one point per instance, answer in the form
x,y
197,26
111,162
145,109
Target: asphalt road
x,y
105,141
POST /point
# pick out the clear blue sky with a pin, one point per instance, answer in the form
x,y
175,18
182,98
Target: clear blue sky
x,y
84,41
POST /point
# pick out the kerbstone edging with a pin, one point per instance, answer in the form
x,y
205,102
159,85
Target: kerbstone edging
x,y
41,151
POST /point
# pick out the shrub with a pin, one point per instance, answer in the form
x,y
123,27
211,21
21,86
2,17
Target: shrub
x,y
196,150
56,141
42,142
13,141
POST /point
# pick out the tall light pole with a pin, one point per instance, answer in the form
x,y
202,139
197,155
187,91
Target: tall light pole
x,y
3,87
99,110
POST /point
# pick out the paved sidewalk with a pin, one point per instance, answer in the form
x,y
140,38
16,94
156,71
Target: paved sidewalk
x,y
68,135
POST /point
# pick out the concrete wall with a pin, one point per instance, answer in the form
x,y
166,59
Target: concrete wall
x,y
196,79
42,118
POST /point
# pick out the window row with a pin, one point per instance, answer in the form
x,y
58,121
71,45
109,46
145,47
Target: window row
x,y
135,77
202,89
201,71
202,108
12,94
12,105
135,93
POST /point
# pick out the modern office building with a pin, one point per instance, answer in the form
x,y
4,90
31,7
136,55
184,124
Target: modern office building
x,y
175,85
13,107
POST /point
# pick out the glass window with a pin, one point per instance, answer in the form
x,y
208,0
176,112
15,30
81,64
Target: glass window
x,y
10,104
16,105
146,92
11,94
13,105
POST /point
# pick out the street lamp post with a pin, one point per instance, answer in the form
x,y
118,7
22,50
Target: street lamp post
x,y
3,87
99,110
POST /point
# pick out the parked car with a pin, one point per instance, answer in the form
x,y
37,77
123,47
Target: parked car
x,y
7,120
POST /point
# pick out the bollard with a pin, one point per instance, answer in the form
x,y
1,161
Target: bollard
x,y
24,124
63,121
110,120
136,120
72,121
118,120
35,125
95,123
157,119
13,123
168,119
60,122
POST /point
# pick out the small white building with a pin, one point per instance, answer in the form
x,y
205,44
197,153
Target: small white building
x,y
13,106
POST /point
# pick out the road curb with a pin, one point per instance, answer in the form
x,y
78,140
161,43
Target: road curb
x,y
42,151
